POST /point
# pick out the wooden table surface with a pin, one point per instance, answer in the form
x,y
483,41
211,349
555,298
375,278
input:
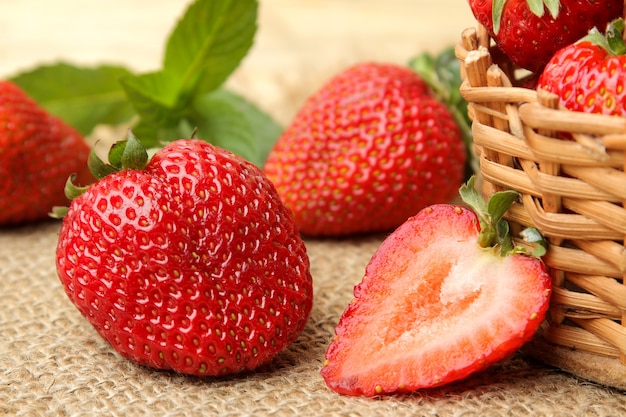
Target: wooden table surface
x,y
299,43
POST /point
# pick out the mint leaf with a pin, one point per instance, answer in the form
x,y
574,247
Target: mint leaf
x,y
154,96
222,118
264,128
82,96
208,44
204,48
221,123
154,137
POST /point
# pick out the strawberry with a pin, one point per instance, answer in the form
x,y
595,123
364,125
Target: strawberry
x,y
37,153
369,149
529,36
588,76
438,302
188,262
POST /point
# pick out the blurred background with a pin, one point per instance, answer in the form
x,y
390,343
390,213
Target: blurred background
x,y
299,43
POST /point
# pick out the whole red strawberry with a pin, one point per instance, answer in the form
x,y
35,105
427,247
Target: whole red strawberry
x,y
445,295
37,153
369,149
588,76
191,263
530,32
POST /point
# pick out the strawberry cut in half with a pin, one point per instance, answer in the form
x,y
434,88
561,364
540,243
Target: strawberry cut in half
x,y
446,295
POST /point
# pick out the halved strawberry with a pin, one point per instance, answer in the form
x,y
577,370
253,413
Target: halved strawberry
x,y
444,296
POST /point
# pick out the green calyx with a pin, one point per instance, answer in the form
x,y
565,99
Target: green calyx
x,y
612,41
494,229
538,7
125,154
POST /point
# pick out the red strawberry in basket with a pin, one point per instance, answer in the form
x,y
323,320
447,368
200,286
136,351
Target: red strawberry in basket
x,y
438,302
190,262
365,152
530,32
588,76
37,153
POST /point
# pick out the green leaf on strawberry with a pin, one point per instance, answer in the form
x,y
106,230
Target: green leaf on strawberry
x,y
612,41
538,7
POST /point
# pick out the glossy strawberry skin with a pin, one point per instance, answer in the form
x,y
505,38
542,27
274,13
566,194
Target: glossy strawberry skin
x,y
434,308
530,41
193,264
37,154
587,79
369,149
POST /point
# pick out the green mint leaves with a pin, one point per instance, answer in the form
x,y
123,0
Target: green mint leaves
x,y
538,7
207,44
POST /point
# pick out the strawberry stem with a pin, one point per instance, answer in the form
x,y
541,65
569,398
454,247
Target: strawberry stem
x,y
125,154
494,230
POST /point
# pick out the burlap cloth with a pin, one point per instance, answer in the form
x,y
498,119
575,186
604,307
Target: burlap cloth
x,y
52,363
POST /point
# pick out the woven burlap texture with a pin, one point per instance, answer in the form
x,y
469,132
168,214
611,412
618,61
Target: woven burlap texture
x,y
52,363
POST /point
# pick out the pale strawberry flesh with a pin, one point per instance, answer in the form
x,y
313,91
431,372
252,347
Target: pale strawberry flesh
x,y
434,307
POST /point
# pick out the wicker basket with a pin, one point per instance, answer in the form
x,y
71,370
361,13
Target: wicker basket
x,y
572,190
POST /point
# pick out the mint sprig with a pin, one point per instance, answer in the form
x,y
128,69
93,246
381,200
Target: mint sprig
x,y
206,45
